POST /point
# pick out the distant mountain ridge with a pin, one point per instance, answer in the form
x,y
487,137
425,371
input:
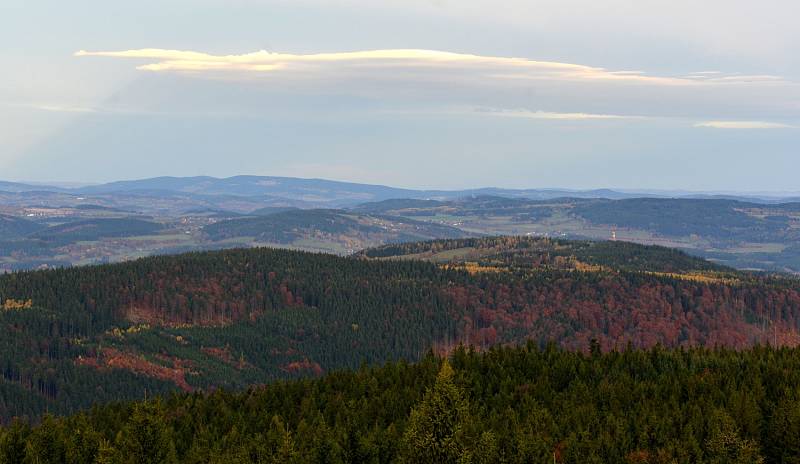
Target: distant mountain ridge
x,y
339,217
314,191
330,193
17,187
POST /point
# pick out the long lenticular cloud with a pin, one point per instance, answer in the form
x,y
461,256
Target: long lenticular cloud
x,y
442,80
263,61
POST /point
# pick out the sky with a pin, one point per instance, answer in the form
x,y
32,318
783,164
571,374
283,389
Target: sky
x,y
630,94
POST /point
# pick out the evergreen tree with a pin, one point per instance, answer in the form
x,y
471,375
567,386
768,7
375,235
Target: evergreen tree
x,y
725,446
13,442
784,433
438,427
146,438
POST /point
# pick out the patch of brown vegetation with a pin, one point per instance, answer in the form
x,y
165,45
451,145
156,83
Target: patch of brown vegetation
x,y
112,358
223,354
638,456
16,305
304,365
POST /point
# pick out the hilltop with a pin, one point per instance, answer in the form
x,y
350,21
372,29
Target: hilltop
x,y
733,232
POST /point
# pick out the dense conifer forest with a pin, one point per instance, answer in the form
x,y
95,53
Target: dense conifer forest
x,y
77,337
506,405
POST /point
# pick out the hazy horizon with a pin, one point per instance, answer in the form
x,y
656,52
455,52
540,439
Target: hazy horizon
x,y
769,193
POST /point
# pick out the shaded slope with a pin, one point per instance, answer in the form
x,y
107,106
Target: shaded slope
x,y
93,229
286,227
721,219
12,227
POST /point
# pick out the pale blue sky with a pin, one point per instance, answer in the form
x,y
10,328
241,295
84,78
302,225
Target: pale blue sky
x,y
615,93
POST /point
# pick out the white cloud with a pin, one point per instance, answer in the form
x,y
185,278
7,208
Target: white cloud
x,y
64,109
744,125
440,82
493,66
522,113
717,77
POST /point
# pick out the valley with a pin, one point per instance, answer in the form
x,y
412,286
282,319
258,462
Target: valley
x,y
123,221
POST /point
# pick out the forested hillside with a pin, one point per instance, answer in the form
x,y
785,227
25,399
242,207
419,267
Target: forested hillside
x,y
50,229
741,234
93,229
14,227
304,227
724,220
516,252
508,405
75,337
721,221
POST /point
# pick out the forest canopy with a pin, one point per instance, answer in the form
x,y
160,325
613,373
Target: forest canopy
x,y
231,319
506,405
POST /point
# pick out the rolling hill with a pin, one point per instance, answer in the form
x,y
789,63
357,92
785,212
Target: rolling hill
x,y
721,220
351,230
740,234
12,227
93,229
513,253
6,186
84,335
323,192
314,191
743,232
